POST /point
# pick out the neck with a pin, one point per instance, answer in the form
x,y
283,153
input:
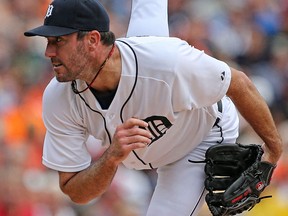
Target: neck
x,y
109,77
91,84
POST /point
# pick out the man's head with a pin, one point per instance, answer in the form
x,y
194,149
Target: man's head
x,y
65,17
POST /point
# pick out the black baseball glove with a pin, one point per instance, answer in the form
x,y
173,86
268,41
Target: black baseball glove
x,y
235,178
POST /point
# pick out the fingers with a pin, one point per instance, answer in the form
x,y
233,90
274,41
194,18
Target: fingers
x,y
133,132
129,136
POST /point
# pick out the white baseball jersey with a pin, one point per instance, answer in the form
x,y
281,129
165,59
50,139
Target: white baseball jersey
x,y
164,81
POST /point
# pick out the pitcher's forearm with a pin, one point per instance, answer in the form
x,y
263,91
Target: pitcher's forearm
x,y
88,184
254,109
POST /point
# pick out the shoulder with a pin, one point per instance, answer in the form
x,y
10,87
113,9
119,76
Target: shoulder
x,y
57,96
151,50
167,49
147,41
56,90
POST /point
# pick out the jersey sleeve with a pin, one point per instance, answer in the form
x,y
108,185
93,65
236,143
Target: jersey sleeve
x,y
200,80
65,140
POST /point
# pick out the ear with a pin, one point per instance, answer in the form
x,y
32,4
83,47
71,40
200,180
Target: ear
x,y
93,39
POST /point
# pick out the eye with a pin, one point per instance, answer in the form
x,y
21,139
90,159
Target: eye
x,y
58,39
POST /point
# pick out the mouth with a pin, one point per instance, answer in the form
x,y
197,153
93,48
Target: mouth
x,y
56,65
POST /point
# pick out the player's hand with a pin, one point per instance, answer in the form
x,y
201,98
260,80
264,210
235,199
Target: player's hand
x,y
128,136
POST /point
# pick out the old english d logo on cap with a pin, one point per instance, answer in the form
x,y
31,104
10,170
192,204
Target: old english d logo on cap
x,y
49,11
65,17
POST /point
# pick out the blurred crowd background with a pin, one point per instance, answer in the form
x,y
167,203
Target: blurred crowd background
x,y
251,35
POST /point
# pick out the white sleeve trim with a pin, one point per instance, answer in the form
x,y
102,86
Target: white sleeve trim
x,y
65,168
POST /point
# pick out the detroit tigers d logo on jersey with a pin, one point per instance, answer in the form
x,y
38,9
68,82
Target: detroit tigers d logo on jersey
x,y
158,125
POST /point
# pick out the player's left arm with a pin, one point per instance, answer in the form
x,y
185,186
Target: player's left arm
x,y
254,109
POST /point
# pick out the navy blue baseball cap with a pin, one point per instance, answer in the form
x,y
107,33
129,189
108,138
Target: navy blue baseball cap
x,y
65,17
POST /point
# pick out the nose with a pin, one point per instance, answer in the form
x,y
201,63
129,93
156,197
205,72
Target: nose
x,y
50,50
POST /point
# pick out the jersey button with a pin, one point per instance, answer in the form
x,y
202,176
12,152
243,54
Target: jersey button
x,y
111,116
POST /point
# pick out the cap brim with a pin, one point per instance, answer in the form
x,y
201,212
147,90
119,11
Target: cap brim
x,y
49,31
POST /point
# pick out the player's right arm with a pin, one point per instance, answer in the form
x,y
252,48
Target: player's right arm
x,y
92,182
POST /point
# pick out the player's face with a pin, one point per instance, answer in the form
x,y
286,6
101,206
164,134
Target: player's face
x,y
68,56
